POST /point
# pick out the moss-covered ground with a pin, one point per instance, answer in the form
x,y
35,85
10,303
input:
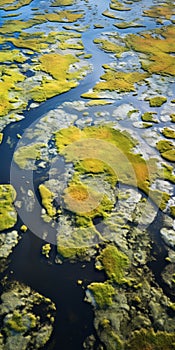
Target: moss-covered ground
x,y
8,216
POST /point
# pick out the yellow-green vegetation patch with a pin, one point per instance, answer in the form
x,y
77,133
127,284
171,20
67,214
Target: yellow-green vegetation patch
x,y
9,77
97,166
16,6
109,14
61,16
36,41
27,153
102,292
75,244
166,149
86,202
172,116
99,102
70,40
124,25
168,172
119,81
149,117
98,25
159,50
63,80
110,46
169,133
172,210
47,198
12,26
114,262
19,323
6,2
90,147
157,101
93,95
46,248
164,11
148,339
1,137
8,216
11,56
118,6
62,2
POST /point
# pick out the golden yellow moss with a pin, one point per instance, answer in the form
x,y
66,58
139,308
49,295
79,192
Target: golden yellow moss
x,y
118,6
102,292
148,339
115,263
157,101
61,16
62,2
77,243
36,41
1,137
172,210
6,2
47,198
172,116
169,133
26,153
159,51
8,216
15,25
125,25
165,11
11,56
119,81
99,102
166,149
86,202
58,67
91,147
108,14
149,117
66,43
109,46
9,77
16,6
46,248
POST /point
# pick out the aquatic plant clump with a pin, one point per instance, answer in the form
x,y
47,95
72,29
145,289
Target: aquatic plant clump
x,y
90,147
47,198
114,262
102,292
10,76
148,339
166,149
110,46
119,81
8,215
86,202
63,79
159,50
23,327
30,153
62,3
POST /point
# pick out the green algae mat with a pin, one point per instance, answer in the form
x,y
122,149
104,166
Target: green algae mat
x,y
87,181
